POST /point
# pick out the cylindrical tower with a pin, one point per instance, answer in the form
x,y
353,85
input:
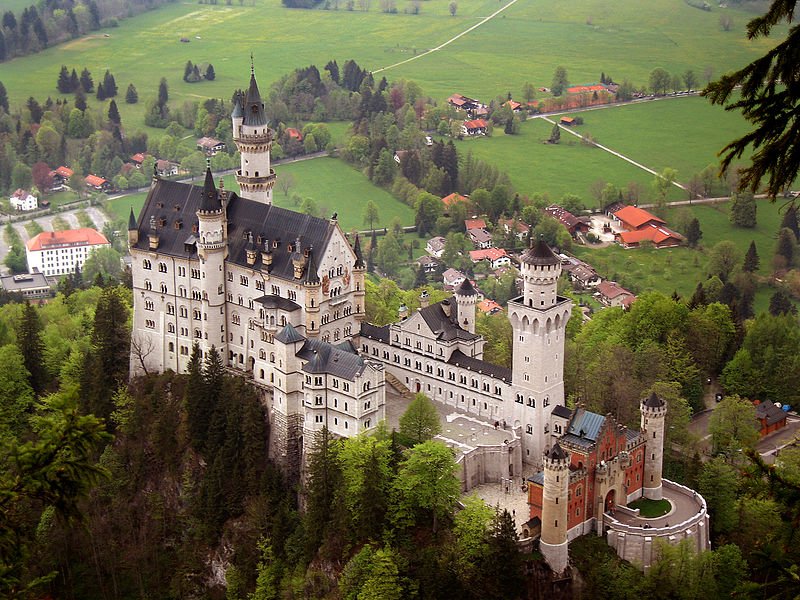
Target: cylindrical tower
x,y
212,248
466,299
359,271
540,270
654,412
253,138
555,496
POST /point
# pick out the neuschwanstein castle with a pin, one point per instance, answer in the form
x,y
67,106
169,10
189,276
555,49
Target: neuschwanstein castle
x,y
281,296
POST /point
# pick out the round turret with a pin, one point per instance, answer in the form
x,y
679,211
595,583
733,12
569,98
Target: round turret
x,y
540,270
654,412
466,297
555,497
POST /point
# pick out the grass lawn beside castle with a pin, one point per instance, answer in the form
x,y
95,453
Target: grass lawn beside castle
x,y
333,185
650,509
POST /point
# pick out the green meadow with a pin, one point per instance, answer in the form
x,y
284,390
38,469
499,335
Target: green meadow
x,y
556,169
332,184
625,39
684,133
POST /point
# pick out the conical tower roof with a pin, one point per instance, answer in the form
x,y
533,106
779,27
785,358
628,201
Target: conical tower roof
x,y
312,278
254,113
557,452
210,201
132,221
539,254
359,264
466,288
238,112
654,401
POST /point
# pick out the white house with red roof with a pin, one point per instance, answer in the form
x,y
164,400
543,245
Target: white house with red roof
x,y
475,127
639,225
633,218
23,200
613,294
496,257
98,183
55,253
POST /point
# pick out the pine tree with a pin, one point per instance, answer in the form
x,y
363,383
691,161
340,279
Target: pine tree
x,y
74,81
503,565
194,396
80,100
421,278
699,297
29,342
781,304
743,209
210,74
3,97
110,85
213,397
751,259
555,134
63,84
163,93
87,83
131,96
693,233
101,91
790,221
323,485
113,113
786,244
187,70
35,110
3,51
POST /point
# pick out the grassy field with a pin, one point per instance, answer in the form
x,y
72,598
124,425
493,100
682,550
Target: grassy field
x,y
332,184
683,133
555,169
625,39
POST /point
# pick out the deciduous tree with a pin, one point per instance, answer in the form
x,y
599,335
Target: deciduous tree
x,y
420,422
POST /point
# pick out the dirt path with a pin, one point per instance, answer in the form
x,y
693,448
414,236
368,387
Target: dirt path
x,y
450,41
610,151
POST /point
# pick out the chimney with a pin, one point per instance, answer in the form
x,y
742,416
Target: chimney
x,y
402,312
446,307
424,299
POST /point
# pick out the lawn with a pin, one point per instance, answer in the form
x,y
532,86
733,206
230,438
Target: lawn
x,y
650,509
682,133
555,169
624,39
331,183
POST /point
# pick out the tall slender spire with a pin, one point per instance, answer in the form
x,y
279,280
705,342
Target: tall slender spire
x,y
359,264
254,114
210,201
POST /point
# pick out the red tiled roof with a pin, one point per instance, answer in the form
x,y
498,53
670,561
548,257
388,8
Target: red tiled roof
x,y
475,124
489,306
65,172
520,226
513,105
294,133
20,194
653,233
610,290
453,198
457,99
94,180
139,157
83,237
567,120
474,224
208,142
487,254
635,216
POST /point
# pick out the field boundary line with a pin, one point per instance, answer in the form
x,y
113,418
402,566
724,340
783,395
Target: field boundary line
x,y
450,41
610,151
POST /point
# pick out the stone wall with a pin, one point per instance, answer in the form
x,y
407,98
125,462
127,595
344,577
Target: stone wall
x,y
639,545
490,464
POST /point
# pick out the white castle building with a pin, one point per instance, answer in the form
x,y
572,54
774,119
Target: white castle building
x,y
281,296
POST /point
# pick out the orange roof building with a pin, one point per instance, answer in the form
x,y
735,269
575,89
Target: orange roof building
x,y
474,224
454,198
294,134
95,182
582,89
489,307
55,253
660,236
65,172
633,218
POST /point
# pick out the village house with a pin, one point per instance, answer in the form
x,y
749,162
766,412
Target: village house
x,y
435,246
210,146
514,106
633,218
453,199
496,257
138,158
475,127
641,226
452,278
294,134
473,108
573,224
568,121
612,294
489,307
770,418
519,228
23,200
98,183
428,264
165,168
581,275
60,177
480,238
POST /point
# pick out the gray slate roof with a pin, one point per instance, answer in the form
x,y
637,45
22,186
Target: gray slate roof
x,y
445,328
459,359
272,301
540,254
374,332
562,411
323,357
173,201
289,335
